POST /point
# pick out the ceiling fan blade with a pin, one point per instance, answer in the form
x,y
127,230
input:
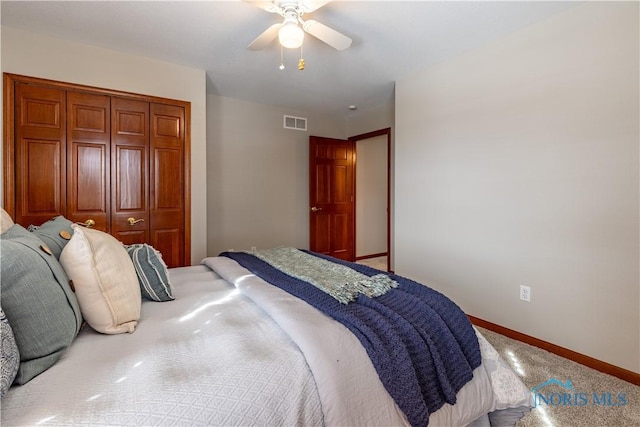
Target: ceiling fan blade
x,y
308,6
269,6
265,38
328,35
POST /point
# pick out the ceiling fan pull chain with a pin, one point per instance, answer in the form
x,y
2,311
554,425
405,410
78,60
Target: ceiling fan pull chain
x,y
281,58
301,61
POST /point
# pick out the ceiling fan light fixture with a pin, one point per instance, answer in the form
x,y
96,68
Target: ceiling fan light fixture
x,y
291,35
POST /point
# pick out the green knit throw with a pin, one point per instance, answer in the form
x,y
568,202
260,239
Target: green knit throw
x,y
339,281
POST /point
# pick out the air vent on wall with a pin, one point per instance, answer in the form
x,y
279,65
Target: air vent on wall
x,y
297,123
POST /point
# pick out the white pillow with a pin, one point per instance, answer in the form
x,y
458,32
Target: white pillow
x,y
5,221
104,279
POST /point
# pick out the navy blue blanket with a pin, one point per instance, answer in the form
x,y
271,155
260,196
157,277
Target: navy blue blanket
x,y
421,343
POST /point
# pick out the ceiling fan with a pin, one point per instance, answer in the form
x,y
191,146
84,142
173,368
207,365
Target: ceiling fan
x,y
288,31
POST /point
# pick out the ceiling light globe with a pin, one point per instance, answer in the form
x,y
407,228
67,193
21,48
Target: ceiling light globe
x,y
290,35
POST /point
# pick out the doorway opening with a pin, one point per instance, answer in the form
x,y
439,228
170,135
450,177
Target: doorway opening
x,y
373,198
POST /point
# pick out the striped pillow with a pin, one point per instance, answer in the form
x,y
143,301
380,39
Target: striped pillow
x,y
152,272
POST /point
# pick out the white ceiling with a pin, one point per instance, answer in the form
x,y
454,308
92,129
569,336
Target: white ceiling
x,y
390,40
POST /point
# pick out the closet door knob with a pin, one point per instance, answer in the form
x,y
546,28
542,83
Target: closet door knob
x,y
89,223
132,221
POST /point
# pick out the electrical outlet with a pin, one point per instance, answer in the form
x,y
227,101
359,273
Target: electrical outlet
x,y
253,248
525,293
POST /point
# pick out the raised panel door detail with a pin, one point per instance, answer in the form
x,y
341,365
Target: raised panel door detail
x,y
167,127
340,234
168,242
90,163
322,151
323,233
89,119
40,192
131,123
340,153
323,184
130,193
132,237
40,113
168,173
341,187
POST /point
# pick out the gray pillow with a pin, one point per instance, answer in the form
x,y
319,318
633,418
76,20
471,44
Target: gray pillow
x,y
38,301
10,361
55,233
151,271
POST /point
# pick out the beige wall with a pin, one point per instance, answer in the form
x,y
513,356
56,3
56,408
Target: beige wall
x,y
39,56
363,121
258,174
518,164
371,196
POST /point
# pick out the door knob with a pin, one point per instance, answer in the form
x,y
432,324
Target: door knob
x,y
89,223
133,221
314,209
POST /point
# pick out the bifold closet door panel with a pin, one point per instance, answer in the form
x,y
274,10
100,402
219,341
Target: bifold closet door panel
x,y
88,159
39,154
130,170
168,183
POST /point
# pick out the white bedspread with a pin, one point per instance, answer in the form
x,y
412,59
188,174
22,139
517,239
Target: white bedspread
x,y
211,357
342,369
349,387
225,355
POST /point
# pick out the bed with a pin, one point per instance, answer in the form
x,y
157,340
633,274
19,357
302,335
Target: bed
x,y
229,348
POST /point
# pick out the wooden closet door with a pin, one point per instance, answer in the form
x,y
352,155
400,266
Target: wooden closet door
x,y
88,157
167,182
39,150
100,155
130,170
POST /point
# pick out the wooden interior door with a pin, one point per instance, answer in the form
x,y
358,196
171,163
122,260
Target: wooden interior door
x,y
130,170
331,197
88,159
40,154
168,182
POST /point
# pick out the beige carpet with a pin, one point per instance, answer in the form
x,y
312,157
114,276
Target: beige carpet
x,y
379,262
580,408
